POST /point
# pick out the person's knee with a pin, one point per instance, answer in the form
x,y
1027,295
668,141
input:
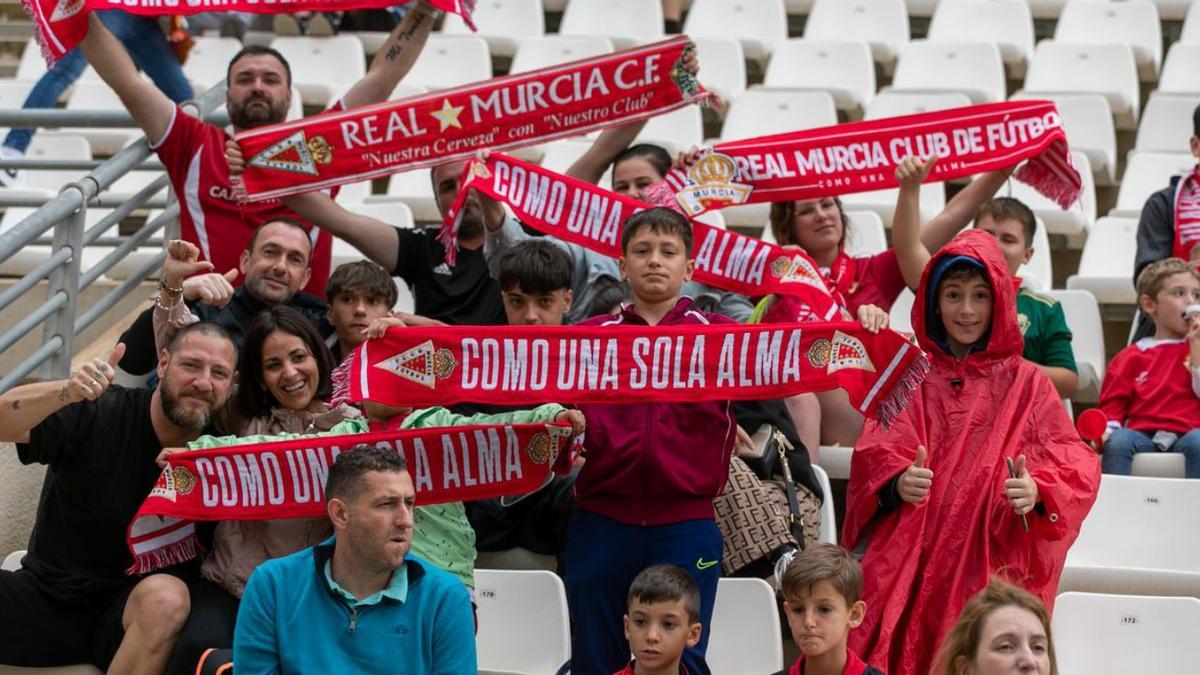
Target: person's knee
x,y
160,604
1189,443
1121,440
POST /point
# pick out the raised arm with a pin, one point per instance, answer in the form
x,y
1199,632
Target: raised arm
x,y
961,210
590,166
150,108
397,56
906,222
23,408
376,239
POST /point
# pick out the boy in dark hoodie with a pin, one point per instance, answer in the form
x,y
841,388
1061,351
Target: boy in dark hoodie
x,y
983,471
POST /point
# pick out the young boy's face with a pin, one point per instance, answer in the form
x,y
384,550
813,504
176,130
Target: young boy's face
x,y
965,305
536,309
1168,306
658,632
350,312
1010,234
820,620
656,265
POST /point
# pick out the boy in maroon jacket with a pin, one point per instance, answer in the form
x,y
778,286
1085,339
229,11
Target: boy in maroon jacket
x,y
645,493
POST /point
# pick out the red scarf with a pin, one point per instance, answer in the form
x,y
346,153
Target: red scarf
x,y
286,479
862,156
584,214
62,24
335,148
1187,215
522,365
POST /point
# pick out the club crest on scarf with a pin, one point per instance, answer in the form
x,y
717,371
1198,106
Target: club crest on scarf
x,y
295,154
710,185
848,352
66,9
421,364
174,481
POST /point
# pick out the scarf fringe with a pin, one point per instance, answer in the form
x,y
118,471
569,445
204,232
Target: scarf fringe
x,y
1040,178
897,399
340,380
166,556
30,8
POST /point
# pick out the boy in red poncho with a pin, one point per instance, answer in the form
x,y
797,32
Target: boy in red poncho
x,y
931,502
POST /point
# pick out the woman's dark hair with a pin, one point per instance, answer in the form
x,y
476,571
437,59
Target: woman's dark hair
x,y
253,399
658,158
781,216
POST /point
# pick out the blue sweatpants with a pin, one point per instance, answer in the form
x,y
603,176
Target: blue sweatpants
x,y
602,559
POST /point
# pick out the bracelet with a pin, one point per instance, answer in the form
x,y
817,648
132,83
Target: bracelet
x,y
163,285
158,302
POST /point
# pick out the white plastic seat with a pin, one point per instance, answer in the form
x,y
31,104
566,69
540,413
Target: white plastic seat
x,y
523,621
51,145
828,533
1004,23
25,260
1139,538
551,50
353,193
1104,266
1159,465
921,8
1145,174
844,69
900,315
1108,69
881,23
394,213
12,96
12,561
89,96
1166,123
626,22
1038,274
32,64
1179,73
975,69
414,189
1087,339
1129,23
883,202
867,235
745,637
323,68
502,23
724,65
1190,34
1046,9
891,103
677,130
1071,222
760,25
760,112
1087,120
1108,634
1173,10
207,62
450,61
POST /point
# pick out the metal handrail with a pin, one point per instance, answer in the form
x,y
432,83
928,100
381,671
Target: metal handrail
x,y
17,118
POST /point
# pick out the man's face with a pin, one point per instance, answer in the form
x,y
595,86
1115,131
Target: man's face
x,y
277,268
536,309
196,379
445,191
258,92
379,520
658,632
351,311
1010,234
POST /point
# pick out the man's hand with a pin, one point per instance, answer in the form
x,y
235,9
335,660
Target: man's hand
x,y
233,156
575,418
161,460
1022,491
912,172
94,377
914,483
872,318
180,268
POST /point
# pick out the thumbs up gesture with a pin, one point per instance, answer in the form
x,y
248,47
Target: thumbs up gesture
x,y
182,268
1022,491
914,483
94,377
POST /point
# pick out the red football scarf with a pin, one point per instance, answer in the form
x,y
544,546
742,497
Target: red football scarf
x,y
862,156
286,479
584,214
522,365
1187,215
61,24
348,146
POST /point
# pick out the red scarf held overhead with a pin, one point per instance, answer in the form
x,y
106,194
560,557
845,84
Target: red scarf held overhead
x,y
584,214
62,24
523,365
286,479
1187,215
335,148
862,156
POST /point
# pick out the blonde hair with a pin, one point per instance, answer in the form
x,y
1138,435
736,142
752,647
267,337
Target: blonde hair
x,y
1155,275
963,639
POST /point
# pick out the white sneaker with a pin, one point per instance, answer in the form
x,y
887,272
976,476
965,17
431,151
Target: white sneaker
x,y
11,178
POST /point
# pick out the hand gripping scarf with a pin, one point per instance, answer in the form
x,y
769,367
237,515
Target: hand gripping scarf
x,y
62,24
339,147
862,156
286,479
584,214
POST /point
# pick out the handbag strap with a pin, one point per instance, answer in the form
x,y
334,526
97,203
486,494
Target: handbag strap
x,y
795,522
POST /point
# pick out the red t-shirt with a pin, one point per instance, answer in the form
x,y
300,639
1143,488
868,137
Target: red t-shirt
x,y
1148,387
871,280
193,153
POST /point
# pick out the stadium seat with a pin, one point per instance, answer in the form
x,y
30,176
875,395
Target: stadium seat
x,y
1004,23
844,69
1145,174
523,621
207,62
745,638
451,61
921,8
891,103
759,112
1087,339
50,145
798,7
1159,465
32,64
99,96
677,130
828,516
414,189
535,53
1071,222
1190,33
1129,23
760,25
12,561
1166,123
1088,121
1107,69
974,69
394,213
900,315
883,202
12,96
1179,73
626,22
1046,9
25,260
560,155
1038,273
866,234
1104,634
502,23
1106,265
724,66
323,68
1139,539
881,23
1173,10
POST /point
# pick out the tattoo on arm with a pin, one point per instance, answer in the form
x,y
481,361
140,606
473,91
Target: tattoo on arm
x,y
17,404
64,394
405,35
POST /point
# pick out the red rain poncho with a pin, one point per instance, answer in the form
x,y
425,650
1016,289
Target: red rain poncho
x,y
922,562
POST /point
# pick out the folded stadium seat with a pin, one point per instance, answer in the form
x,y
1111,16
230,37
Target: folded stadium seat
x,y
208,61
829,526
844,69
88,96
745,636
353,193
1004,23
891,103
1129,23
450,61
626,22
12,96
51,145
1099,633
32,64
1106,265
523,625
1139,538
883,202
900,316
1179,73
881,23
503,23
323,68
723,66
1166,123
29,257
1190,34
1038,273
551,50
1108,69
975,69
760,25
414,189
1087,119
1145,174
1074,222
1087,339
